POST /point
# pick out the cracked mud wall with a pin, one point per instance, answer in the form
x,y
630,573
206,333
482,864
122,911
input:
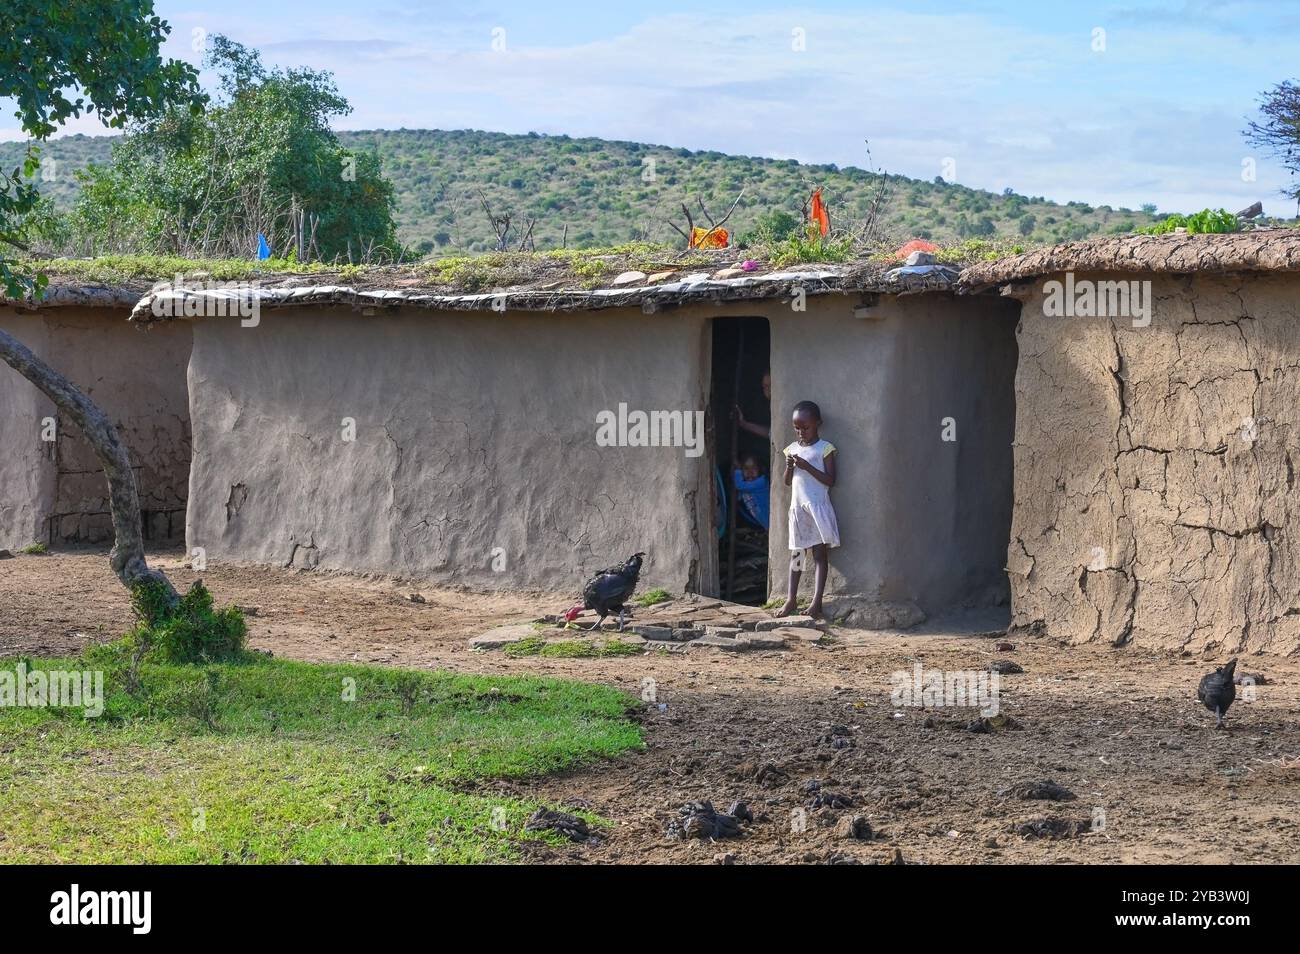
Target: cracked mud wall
x,y
475,458
27,468
1155,469
924,522
56,492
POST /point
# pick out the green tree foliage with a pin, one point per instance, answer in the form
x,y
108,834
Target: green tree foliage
x,y
262,159
774,226
107,50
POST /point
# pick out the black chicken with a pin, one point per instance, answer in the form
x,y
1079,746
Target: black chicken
x,y
609,590
1217,691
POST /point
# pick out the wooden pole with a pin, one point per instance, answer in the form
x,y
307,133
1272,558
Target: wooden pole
x,y
735,454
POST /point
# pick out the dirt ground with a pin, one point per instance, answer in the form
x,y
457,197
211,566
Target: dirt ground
x,y
1121,729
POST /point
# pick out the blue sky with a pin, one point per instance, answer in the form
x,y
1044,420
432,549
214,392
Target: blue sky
x,y
1022,94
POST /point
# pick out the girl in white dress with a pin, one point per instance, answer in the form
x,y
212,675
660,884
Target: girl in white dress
x,y
810,475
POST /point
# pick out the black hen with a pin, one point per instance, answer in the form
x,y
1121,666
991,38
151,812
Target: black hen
x,y
609,590
1217,691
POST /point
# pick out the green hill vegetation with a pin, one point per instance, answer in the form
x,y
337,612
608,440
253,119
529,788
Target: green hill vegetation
x,y
596,192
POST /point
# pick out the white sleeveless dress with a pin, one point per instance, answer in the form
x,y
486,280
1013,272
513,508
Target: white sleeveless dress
x,y
812,518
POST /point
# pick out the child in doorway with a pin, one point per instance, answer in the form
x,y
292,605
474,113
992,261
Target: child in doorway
x,y
751,488
810,475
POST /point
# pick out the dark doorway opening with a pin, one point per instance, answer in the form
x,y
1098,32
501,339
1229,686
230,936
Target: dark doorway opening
x,y
741,352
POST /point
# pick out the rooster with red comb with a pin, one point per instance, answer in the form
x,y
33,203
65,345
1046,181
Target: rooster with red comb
x,y
608,591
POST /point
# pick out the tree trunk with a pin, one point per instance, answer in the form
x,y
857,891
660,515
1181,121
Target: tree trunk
x,y
127,556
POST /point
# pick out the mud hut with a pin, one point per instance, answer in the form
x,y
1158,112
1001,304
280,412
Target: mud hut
x,y
527,435
52,489
1156,440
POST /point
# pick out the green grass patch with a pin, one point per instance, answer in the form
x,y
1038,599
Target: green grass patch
x,y
35,549
651,597
571,648
272,761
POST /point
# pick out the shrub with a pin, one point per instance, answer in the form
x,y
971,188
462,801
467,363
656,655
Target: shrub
x,y
771,227
191,632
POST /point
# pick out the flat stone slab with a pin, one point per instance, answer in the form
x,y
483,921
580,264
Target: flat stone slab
x,y
687,621
772,640
726,632
696,607
714,642
783,622
803,634
739,644
503,636
664,633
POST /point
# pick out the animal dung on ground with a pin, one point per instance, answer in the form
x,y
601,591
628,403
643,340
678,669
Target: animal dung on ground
x,y
855,827
1047,791
770,775
741,811
700,820
831,800
570,826
998,723
1053,828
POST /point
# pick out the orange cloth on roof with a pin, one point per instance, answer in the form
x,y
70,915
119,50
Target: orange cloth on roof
x,y
916,245
708,238
818,213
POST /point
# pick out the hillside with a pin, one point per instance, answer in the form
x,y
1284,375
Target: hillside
x,y
609,192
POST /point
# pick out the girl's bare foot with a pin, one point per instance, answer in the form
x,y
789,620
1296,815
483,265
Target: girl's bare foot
x,y
815,611
789,607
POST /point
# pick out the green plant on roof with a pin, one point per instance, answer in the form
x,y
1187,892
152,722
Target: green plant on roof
x,y
1198,223
110,269
977,250
808,245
